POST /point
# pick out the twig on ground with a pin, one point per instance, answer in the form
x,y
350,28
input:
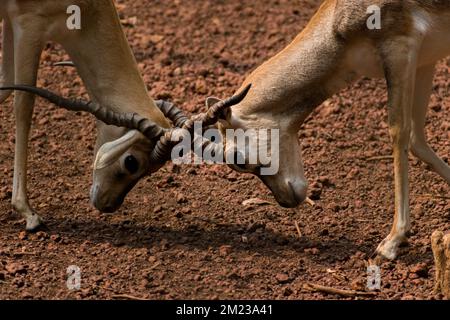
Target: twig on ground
x,y
341,292
154,266
256,202
429,195
16,254
337,276
310,202
127,296
298,229
380,158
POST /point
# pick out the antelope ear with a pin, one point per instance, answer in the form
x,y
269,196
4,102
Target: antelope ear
x,y
210,101
111,151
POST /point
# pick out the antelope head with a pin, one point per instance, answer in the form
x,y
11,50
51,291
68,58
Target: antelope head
x,y
118,166
282,169
122,162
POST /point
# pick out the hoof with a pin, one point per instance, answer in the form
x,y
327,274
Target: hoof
x,y
388,248
388,254
377,258
34,222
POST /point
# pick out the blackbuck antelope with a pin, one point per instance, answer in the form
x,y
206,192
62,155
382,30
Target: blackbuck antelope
x,y
107,66
335,49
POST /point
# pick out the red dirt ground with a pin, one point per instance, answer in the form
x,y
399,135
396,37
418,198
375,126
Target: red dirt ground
x,y
183,233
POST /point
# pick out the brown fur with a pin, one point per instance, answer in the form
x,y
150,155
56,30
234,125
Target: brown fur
x,y
333,50
107,67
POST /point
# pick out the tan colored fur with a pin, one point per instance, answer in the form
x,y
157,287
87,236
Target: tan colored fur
x,y
335,49
104,61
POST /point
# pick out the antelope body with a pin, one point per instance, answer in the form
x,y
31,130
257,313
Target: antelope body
x,y
106,65
335,49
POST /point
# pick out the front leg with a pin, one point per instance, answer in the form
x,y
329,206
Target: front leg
x,y
400,58
27,51
7,68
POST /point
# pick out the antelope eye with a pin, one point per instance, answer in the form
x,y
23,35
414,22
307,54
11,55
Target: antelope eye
x,y
131,164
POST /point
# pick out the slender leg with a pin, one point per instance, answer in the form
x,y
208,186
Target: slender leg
x,y
7,68
399,58
27,50
419,145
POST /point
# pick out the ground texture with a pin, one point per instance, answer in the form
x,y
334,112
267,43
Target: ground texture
x,y
184,233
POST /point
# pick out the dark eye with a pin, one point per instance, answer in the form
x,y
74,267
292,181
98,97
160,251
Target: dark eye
x,y
131,164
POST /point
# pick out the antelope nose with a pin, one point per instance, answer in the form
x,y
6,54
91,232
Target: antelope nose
x,y
298,190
